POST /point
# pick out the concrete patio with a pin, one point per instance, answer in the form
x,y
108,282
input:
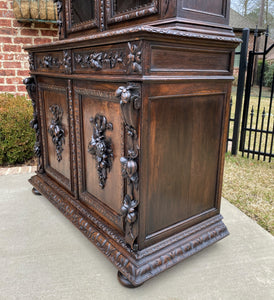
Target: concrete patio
x,y
43,256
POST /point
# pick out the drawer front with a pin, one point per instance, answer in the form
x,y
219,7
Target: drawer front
x,y
100,136
57,132
122,58
51,62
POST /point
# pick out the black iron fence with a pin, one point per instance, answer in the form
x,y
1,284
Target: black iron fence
x,y
254,138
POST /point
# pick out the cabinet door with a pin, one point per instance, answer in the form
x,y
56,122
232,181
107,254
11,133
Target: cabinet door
x,y
100,136
57,131
119,10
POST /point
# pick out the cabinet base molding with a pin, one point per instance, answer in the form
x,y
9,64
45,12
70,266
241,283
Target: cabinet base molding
x,y
134,267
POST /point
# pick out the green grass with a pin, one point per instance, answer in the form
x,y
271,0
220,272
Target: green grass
x,y
249,185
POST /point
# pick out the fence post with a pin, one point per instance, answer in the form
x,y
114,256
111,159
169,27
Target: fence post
x,y
240,91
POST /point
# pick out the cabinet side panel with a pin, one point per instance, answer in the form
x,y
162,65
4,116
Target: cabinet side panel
x,y
183,146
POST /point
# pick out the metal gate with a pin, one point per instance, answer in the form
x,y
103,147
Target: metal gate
x,y
257,130
257,123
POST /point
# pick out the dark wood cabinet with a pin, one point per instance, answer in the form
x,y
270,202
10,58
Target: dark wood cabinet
x,y
131,112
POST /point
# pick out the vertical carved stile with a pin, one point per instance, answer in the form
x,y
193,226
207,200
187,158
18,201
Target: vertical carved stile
x,y
31,89
59,6
56,130
130,103
102,15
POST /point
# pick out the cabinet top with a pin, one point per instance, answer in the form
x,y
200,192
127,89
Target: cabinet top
x,y
82,17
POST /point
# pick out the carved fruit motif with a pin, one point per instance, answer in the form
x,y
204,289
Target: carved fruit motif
x,y
100,147
56,130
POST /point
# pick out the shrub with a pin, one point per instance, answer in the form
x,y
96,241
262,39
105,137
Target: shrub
x,y
259,72
269,76
17,138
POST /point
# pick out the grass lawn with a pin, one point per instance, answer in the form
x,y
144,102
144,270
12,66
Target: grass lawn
x,y
249,185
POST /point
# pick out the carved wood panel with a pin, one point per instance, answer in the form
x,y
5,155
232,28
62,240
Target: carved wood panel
x,y
56,132
101,189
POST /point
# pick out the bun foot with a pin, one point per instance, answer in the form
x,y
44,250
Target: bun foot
x,y
124,281
35,192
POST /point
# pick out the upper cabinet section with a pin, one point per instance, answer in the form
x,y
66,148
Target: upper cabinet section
x,y
84,17
82,11
205,10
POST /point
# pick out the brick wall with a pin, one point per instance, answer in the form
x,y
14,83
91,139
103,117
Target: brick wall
x,y
14,64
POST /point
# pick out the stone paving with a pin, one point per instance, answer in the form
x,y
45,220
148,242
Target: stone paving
x,y
17,170
43,256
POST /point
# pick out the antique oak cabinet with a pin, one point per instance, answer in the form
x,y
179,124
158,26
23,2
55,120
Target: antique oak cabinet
x,y
130,112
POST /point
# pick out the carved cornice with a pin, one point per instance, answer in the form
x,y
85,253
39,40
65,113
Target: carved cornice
x,y
137,270
32,91
56,130
100,147
178,35
130,103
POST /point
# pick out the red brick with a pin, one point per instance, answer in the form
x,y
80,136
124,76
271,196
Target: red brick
x,y
41,25
6,13
31,32
38,41
5,40
7,88
23,73
7,31
12,64
5,22
49,33
12,48
7,72
5,56
22,40
4,4
21,88
2,80
21,57
14,80
21,25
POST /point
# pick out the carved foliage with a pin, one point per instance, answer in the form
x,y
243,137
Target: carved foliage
x,y
100,147
56,130
67,61
134,58
100,60
49,62
130,103
31,88
31,61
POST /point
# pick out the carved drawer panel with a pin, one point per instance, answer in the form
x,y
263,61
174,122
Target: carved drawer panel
x,y
124,58
52,62
56,134
100,134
